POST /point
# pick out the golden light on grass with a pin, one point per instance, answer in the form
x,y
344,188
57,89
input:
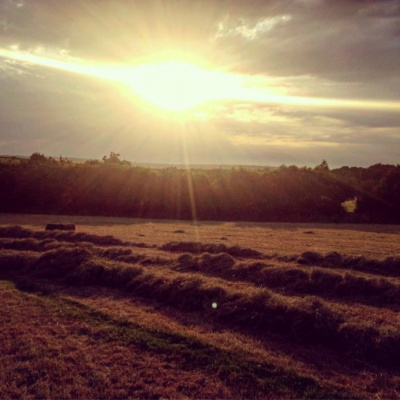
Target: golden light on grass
x,y
96,321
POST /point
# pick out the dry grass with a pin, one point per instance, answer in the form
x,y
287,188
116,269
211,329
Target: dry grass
x,y
46,353
287,323
371,241
319,362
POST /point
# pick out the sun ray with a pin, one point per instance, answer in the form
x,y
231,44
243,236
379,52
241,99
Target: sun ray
x,y
178,86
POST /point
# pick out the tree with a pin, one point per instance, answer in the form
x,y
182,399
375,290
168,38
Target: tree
x,y
38,158
323,167
113,159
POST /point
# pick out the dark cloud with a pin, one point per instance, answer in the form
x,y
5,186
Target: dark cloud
x,y
339,40
116,30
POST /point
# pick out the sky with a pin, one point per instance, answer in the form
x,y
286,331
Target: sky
x,y
256,82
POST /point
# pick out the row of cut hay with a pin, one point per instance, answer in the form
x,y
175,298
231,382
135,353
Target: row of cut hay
x,y
389,266
15,262
30,244
65,236
255,311
258,310
198,248
123,254
295,280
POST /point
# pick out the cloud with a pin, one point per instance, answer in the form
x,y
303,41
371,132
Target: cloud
x,y
252,30
340,40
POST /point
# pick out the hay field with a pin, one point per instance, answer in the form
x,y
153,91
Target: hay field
x,y
374,241
169,309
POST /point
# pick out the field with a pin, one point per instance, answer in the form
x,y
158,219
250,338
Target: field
x,y
126,308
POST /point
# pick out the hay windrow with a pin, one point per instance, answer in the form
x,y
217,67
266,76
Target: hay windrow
x,y
200,279
197,248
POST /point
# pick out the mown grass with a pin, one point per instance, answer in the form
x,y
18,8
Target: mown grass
x,y
196,248
65,236
390,266
294,280
48,353
259,311
246,378
240,305
251,379
115,253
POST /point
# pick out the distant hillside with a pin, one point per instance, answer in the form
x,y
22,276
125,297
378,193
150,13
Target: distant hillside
x,y
74,160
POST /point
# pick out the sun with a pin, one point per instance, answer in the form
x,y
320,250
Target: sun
x,y
177,86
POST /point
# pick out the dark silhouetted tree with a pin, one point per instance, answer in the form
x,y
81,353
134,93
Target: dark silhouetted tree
x,y
323,167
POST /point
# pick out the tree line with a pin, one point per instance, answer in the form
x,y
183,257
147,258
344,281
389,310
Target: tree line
x,y
113,187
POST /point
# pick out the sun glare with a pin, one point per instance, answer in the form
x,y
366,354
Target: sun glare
x,y
178,86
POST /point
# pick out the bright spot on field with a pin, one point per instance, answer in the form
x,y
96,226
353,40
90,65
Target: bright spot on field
x,y
214,305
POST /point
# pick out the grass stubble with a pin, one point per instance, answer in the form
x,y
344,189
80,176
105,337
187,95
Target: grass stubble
x,y
259,306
